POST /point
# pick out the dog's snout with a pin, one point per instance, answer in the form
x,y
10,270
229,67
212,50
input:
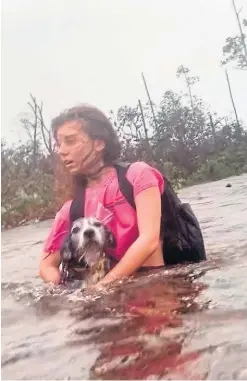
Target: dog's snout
x,y
89,233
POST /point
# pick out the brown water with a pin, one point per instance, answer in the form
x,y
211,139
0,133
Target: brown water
x,y
188,322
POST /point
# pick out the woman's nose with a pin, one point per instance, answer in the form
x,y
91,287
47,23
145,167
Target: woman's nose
x,y
62,151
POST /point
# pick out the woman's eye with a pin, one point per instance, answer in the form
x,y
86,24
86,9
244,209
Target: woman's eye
x,y
70,141
75,230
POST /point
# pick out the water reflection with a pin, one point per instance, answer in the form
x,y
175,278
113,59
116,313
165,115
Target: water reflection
x,y
188,322
148,339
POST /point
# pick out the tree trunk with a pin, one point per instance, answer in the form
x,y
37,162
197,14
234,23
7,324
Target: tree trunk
x,y
150,101
233,104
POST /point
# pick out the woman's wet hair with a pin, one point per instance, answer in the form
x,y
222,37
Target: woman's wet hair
x,y
96,124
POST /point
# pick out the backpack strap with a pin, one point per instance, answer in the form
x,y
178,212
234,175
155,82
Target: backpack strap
x,y
125,186
77,208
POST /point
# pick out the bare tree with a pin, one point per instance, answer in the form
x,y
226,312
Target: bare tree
x,y
190,81
150,100
31,125
148,144
232,100
36,129
46,134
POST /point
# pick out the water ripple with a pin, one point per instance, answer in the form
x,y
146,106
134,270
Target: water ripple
x,y
187,322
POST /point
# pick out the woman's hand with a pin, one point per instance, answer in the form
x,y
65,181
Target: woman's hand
x,y
99,285
102,284
49,267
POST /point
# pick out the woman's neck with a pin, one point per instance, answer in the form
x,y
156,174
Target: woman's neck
x,y
97,174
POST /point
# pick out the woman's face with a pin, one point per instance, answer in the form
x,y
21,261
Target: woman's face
x,y
79,153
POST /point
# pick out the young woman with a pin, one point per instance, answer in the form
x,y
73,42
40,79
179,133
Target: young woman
x,y
88,147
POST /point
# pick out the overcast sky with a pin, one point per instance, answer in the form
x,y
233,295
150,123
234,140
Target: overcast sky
x,y
71,51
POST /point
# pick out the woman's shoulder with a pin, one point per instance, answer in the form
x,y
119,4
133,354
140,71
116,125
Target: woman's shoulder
x,y
140,168
63,213
59,229
141,175
138,165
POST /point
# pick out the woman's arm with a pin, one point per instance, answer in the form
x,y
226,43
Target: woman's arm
x,y
49,267
148,209
51,259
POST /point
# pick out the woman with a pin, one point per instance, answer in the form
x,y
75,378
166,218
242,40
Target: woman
x,y
88,147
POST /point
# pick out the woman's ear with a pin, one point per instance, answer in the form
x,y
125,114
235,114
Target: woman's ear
x,y
99,145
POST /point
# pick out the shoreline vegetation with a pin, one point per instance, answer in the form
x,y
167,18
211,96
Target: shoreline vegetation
x,y
35,212
181,136
185,141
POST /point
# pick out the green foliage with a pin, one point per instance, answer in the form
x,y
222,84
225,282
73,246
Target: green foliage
x,y
235,48
230,162
26,192
188,144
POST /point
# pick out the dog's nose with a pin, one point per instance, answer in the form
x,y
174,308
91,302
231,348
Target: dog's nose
x,y
89,233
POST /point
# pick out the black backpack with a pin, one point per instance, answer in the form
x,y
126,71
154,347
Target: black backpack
x,y
180,229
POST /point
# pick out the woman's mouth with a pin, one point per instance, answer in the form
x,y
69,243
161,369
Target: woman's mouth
x,y
68,163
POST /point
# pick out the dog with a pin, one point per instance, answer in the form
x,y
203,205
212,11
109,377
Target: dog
x,y
83,251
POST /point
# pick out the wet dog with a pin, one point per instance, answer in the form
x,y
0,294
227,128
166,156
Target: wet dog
x,y
83,251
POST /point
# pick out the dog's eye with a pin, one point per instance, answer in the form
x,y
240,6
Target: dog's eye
x,y
75,230
97,224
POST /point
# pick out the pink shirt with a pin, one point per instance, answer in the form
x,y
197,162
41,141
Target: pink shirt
x,y
106,202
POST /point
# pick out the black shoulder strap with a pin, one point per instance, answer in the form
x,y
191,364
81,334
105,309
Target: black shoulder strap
x,y
77,208
125,186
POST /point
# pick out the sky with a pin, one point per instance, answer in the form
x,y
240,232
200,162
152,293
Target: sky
x,y
67,52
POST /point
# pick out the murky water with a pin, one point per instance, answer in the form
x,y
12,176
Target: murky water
x,y
188,322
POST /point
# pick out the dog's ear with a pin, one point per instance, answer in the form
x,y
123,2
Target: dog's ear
x,y
110,239
67,249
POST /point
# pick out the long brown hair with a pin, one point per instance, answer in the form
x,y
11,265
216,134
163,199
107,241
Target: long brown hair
x,y
96,124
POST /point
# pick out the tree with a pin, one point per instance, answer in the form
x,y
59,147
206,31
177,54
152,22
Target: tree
x,y
232,100
190,81
34,124
181,133
134,132
235,49
30,123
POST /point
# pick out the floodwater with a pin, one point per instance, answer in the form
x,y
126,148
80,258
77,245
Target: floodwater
x,y
188,322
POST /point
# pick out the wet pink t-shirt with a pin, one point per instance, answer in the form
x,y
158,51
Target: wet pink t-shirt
x,y
106,202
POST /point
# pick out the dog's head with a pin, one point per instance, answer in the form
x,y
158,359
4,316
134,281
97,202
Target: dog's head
x,y
87,241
